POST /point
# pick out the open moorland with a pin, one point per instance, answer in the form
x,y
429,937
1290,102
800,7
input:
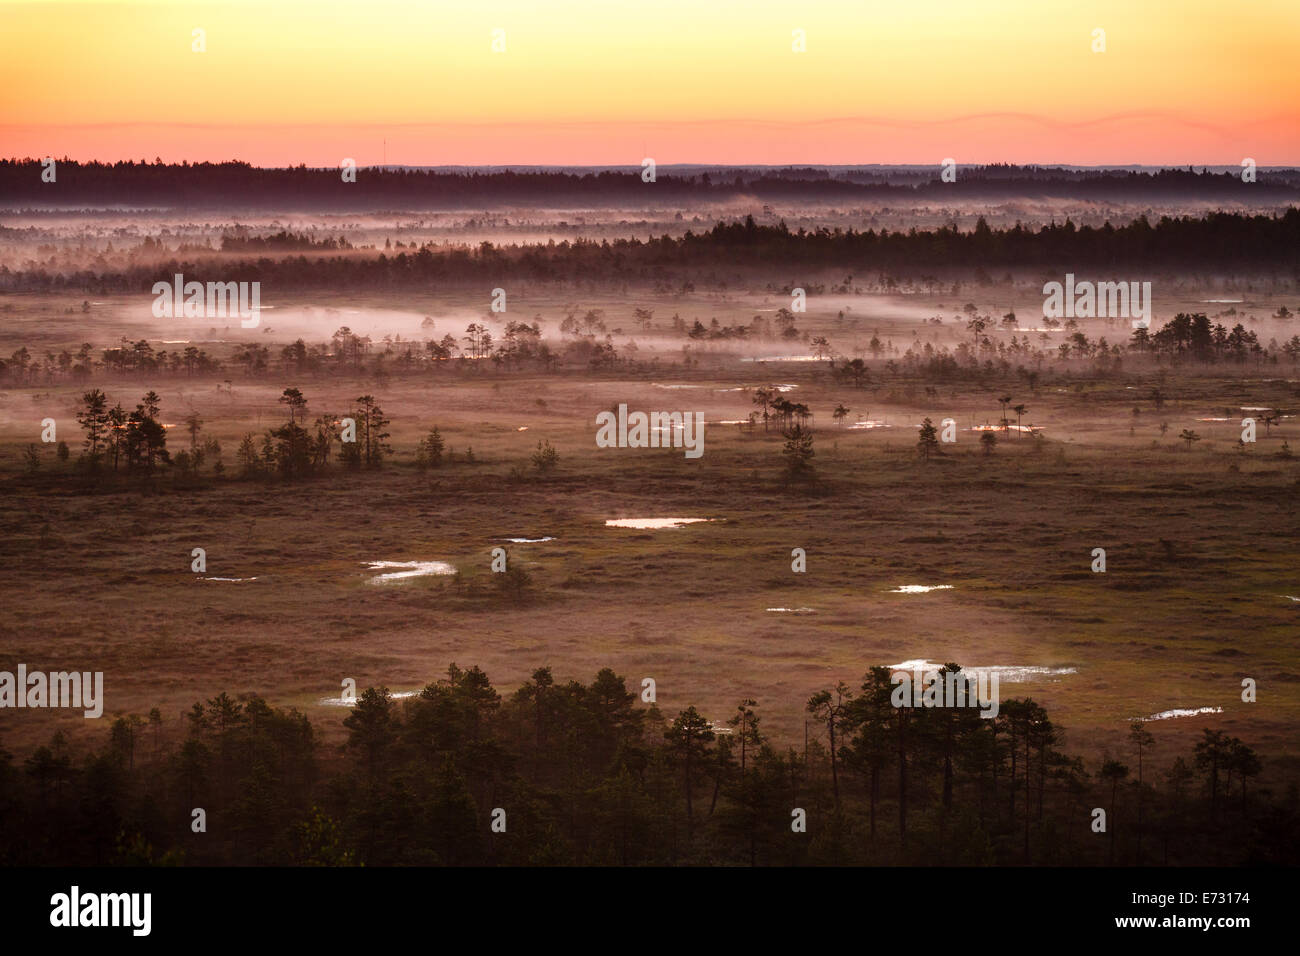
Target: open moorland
x,y
826,537
1199,540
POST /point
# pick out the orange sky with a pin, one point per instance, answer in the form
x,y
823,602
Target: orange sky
x,y
1180,81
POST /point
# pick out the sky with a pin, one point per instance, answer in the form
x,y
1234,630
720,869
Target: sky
x,y
679,81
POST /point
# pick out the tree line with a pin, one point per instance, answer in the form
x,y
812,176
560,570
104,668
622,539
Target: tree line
x,y
1228,241
208,184
586,773
136,442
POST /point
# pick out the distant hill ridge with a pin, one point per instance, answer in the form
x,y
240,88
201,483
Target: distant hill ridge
x,y
239,183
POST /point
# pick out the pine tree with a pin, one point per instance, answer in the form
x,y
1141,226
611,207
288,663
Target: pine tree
x,y
798,451
545,458
689,738
249,463
434,447
373,424
93,417
928,441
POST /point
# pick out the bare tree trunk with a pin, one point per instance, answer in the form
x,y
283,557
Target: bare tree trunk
x,y
835,777
1027,802
875,790
902,779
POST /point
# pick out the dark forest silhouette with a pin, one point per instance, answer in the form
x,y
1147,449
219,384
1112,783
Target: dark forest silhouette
x,y
1218,241
586,774
241,184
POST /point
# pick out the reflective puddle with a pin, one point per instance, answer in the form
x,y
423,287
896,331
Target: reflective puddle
x,y
1184,712
1007,673
652,523
345,702
1022,429
410,569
